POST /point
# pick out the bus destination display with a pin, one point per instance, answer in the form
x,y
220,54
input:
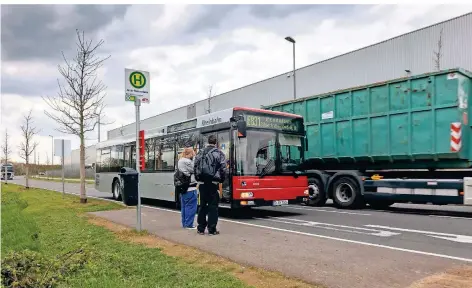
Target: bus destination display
x,y
182,126
270,122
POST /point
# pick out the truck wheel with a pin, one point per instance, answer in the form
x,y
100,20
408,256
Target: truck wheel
x,y
347,194
317,193
116,190
380,204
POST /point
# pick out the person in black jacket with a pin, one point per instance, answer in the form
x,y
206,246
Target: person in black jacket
x,y
209,159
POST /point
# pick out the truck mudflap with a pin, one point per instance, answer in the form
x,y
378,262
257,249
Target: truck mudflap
x,y
468,191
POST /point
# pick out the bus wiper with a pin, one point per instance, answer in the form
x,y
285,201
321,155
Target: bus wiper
x,y
270,164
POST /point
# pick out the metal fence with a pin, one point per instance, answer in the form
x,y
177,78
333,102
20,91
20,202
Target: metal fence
x,y
71,172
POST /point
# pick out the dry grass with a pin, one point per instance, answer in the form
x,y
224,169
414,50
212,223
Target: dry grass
x,y
460,277
252,276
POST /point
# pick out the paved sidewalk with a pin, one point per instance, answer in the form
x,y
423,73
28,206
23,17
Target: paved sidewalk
x,y
333,263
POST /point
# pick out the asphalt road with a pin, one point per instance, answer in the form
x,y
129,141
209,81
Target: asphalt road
x,y
442,231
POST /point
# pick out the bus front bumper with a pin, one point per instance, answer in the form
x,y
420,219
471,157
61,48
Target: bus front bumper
x,y
262,202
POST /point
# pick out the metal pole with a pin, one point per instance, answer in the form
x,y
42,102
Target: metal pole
x,y
294,81
98,128
63,186
52,150
137,103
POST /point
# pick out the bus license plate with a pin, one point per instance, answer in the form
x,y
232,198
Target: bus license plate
x,y
280,202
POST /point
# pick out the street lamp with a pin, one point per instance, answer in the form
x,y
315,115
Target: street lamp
x,y
291,40
52,149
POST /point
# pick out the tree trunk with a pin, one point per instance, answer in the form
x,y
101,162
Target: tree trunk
x,y
6,172
27,174
83,196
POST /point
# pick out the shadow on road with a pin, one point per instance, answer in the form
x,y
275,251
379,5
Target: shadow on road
x,y
439,211
417,211
244,214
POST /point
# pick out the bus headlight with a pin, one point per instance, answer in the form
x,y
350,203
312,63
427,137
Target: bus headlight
x,y
247,195
306,192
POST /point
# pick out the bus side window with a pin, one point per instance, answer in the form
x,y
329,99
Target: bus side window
x,y
127,157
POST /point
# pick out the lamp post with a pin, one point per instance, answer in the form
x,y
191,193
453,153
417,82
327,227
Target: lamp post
x,y
52,150
291,40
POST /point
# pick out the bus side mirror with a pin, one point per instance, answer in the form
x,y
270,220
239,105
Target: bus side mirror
x,y
306,144
241,129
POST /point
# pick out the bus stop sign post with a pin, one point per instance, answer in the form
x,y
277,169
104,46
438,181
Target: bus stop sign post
x,y
137,90
137,104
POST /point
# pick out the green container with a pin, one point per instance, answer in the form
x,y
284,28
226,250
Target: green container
x,y
405,123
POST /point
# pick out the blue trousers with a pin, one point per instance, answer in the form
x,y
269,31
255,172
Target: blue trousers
x,y
188,208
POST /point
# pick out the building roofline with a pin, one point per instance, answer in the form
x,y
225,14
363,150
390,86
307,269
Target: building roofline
x,y
319,62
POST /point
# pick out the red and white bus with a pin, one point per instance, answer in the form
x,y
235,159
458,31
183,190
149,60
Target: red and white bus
x,y
263,150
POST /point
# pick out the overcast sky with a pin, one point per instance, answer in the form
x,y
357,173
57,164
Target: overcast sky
x,y
185,48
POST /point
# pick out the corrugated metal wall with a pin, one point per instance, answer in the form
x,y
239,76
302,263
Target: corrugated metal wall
x,y
386,60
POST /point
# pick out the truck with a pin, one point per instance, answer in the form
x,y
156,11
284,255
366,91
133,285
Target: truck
x,y
406,140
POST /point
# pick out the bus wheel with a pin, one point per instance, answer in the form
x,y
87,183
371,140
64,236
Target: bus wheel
x,y
380,204
116,190
347,194
317,193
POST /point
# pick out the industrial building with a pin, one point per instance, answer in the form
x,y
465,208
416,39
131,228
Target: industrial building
x,y
411,53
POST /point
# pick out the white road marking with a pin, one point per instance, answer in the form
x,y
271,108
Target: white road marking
x,y
329,211
451,237
334,238
335,227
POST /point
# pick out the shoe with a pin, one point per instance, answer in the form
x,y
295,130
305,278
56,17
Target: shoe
x,y
216,232
191,227
200,232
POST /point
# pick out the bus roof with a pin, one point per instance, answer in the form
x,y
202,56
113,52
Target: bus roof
x,y
217,117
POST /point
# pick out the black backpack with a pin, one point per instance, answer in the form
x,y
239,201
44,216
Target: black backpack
x,y
180,179
207,168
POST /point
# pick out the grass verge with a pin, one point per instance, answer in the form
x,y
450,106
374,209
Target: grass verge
x,y
116,256
61,227
458,277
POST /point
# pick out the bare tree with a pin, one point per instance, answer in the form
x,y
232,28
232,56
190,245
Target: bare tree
x,y
80,100
438,54
6,151
210,95
28,145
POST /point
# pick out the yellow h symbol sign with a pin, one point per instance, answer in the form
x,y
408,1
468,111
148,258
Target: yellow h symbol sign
x,y
137,78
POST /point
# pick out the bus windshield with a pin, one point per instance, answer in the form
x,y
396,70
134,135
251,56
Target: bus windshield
x,y
8,168
290,150
256,154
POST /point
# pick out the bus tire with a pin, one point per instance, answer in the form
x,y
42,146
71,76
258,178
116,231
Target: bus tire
x,y
319,189
116,190
380,204
347,193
